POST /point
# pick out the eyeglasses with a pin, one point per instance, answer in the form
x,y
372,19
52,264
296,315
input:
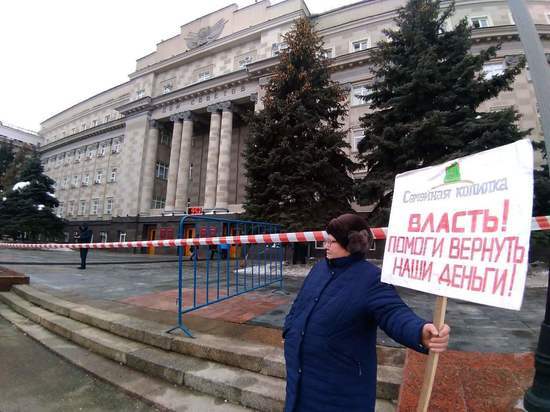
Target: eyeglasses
x,y
329,242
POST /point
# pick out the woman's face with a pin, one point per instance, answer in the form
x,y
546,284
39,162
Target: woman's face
x,y
334,249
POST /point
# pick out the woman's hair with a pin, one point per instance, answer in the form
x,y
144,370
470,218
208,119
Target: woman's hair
x,y
351,232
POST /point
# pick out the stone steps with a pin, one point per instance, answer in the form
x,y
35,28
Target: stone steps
x,y
159,393
249,389
146,346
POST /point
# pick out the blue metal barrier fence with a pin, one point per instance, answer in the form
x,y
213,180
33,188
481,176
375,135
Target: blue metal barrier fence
x,y
220,272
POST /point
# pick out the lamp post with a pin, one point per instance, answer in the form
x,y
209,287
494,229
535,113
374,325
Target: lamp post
x,y
537,398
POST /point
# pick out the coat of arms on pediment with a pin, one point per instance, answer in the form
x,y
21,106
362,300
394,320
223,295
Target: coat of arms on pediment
x,y
205,35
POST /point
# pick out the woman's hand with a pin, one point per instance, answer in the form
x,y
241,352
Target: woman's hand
x,y
434,340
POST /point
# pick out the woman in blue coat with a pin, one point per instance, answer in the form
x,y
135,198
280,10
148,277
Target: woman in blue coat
x,y
330,331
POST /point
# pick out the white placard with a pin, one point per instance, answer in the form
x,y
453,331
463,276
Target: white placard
x,y
461,229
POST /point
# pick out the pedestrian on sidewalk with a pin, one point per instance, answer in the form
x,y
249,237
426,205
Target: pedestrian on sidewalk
x,y
330,331
85,236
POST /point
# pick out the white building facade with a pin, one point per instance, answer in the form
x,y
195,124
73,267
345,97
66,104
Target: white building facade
x,y
131,159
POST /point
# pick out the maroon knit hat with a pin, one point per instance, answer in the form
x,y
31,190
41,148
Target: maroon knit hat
x,y
350,227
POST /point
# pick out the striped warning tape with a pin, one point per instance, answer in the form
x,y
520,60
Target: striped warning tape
x,y
538,223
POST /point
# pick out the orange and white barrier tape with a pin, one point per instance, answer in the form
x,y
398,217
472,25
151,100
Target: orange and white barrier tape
x,y
538,223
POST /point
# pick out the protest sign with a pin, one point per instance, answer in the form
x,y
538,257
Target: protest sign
x,y
461,229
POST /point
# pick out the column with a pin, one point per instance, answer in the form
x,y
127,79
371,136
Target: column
x,y
185,161
174,163
149,162
212,162
224,163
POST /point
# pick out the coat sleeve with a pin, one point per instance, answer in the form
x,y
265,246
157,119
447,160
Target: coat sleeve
x,y
394,316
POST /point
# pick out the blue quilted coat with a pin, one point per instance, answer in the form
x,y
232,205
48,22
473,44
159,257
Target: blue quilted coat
x,y
330,336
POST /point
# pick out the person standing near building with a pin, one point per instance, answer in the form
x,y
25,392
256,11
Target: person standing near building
x,y
85,236
330,331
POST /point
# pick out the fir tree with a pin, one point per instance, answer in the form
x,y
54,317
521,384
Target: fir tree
x,y
28,207
298,173
426,95
6,158
9,176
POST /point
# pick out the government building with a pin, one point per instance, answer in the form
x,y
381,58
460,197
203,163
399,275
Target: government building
x,y
131,160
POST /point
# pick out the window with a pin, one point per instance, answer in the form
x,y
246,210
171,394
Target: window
x,y
167,88
94,123
71,210
85,179
204,75
109,206
360,45
83,127
115,148
112,178
60,210
82,208
165,138
98,177
78,155
158,203
359,95
90,152
75,180
327,53
65,182
107,118
140,93
244,61
190,171
103,237
493,69
94,206
548,18
122,236
74,130
161,170
277,48
102,149
479,22
356,137
68,158
58,160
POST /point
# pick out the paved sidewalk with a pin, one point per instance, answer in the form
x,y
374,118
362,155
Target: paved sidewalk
x,y
151,288
34,379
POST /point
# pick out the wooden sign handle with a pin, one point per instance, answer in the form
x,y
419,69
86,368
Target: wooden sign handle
x,y
431,365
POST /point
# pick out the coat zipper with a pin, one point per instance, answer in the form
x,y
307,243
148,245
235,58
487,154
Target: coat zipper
x,y
360,370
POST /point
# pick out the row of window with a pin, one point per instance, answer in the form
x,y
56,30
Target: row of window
x,y
161,171
94,123
87,153
76,180
79,208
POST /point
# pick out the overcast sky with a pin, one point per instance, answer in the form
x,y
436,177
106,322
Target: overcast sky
x,y
55,53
